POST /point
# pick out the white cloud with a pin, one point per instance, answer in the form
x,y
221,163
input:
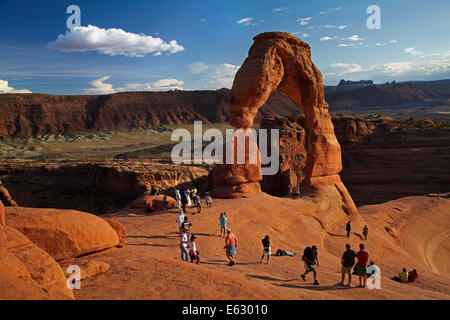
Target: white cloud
x,y
306,35
397,68
304,21
326,38
344,68
345,45
167,84
111,41
393,41
5,88
203,20
328,26
355,37
331,10
282,10
379,44
413,51
100,87
245,21
197,67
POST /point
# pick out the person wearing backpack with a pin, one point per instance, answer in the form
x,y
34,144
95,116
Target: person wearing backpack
x,y
310,258
347,262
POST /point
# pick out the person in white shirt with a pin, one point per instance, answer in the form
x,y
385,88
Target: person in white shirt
x,y
178,198
184,241
180,220
194,254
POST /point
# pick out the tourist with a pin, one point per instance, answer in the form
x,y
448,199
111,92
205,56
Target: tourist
x,y
193,253
230,246
361,265
178,198
193,193
180,220
365,232
413,276
347,262
266,249
403,276
223,224
310,257
183,198
188,198
184,241
348,227
186,225
208,200
198,203
281,252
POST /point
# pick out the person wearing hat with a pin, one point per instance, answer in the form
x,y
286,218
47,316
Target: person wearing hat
x,y
310,257
193,253
230,246
361,265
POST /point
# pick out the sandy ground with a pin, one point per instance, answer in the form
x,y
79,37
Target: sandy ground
x,y
411,232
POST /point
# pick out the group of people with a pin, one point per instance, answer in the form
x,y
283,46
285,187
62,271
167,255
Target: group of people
x,y
187,240
190,198
365,232
405,276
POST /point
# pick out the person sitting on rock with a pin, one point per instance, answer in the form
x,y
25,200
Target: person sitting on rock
x,y
413,276
402,276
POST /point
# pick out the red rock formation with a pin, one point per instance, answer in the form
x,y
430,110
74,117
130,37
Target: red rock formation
x,y
281,62
63,233
2,214
120,230
5,197
28,272
154,203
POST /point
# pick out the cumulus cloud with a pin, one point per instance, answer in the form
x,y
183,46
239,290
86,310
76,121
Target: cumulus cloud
x,y
345,68
5,88
413,51
100,87
245,21
111,41
331,10
304,21
217,76
326,38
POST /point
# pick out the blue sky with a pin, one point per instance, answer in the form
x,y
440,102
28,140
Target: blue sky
x,y
195,45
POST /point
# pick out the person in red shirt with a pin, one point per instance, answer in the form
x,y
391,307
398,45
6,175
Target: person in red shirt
x,y
413,276
361,265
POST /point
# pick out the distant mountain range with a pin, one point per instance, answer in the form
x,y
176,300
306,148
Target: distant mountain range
x,y
25,115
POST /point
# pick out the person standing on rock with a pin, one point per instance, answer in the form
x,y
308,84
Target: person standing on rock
x,y
266,249
348,227
223,224
186,225
365,232
180,220
184,241
188,198
208,200
230,246
347,262
361,265
183,199
310,257
198,203
194,254
178,198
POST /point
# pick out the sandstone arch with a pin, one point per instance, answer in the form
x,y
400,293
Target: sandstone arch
x,y
278,61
